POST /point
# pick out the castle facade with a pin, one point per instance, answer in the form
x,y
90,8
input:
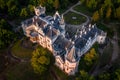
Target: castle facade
x,y
50,33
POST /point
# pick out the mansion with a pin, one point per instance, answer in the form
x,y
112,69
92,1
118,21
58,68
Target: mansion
x,y
50,33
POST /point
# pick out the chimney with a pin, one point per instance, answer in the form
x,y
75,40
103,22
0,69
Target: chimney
x,y
89,25
92,26
73,42
75,36
80,35
80,32
89,28
85,32
70,40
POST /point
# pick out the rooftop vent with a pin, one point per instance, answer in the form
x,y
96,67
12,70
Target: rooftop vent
x,y
70,40
80,35
92,26
89,29
85,32
75,36
73,42
89,25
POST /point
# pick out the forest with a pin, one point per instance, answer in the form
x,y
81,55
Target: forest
x,y
103,9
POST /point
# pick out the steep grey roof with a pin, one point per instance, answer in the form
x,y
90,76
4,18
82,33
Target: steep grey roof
x,y
50,31
80,43
38,22
33,34
28,22
72,55
62,43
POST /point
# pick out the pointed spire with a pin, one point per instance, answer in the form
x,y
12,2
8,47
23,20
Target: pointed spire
x,y
62,16
57,13
71,55
40,6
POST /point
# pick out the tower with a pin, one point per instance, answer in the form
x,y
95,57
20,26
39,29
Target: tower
x,y
62,23
71,61
39,10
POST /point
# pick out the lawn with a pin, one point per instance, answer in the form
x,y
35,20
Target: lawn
x,y
20,51
83,9
60,73
106,55
74,19
24,71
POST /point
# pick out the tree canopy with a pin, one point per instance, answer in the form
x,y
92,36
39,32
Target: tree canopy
x,y
107,9
40,61
6,35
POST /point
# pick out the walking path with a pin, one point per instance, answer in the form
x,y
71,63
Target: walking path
x,y
72,10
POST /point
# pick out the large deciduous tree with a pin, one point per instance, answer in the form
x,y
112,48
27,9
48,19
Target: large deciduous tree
x,y
6,36
89,57
108,13
40,61
118,13
2,4
95,16
56,4
24,12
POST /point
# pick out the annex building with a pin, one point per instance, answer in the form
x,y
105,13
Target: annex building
x,y
50,33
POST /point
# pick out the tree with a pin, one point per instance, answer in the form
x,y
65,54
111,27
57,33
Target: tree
x,y
118,13
104,76
11,3
49,5
117,74
2,4
24,12
56,4
31,9
84,76
40,61
118,1
90,56
92,4
108,3
82,1
64,3
13,11
101,11
6,36
95,16
108,14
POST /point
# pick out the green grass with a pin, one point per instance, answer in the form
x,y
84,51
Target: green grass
x,y
83,9
60,73
118,29
106,55
20,51
24,71
79,18
119,43
2,62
